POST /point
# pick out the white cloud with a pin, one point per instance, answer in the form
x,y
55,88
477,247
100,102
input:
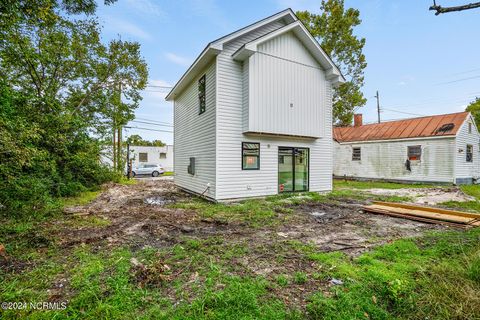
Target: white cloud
x,y
146,7
185,62
125,27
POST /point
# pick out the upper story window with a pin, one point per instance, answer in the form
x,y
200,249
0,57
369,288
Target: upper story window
x,y
250,156
469,127
202,102
356,154
469,153
143,157
163,155
414,153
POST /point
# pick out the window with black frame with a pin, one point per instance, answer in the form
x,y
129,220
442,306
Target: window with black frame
x,y
356,154
469,153
202,83
250,156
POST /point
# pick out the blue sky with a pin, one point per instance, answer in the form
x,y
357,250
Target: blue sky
x,y
421,63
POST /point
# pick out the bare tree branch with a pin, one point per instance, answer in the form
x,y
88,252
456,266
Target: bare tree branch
x,y
440,9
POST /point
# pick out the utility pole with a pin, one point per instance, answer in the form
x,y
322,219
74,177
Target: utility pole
x,y
119,130
114,147
128,160
378,106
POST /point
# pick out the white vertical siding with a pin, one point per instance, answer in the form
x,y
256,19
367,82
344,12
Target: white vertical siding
x,y
386,160
246,94
287,89
464,169
194,135
231,180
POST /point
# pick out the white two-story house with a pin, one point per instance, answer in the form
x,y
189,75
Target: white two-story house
x,y
253,113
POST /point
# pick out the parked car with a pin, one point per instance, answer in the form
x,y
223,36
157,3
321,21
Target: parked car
x,y
151,169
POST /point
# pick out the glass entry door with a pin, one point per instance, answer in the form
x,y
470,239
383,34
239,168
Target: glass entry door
x,y
293,169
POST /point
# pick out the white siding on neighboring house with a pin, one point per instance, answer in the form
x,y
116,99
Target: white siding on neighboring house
x,y
231,180
153,155
386,160
464,170
287,87
194,135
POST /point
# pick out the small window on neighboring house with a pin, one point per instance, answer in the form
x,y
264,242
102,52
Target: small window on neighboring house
x,y
163,155
469,153
143,157
414,153
250,156
356,154
469,127
201,94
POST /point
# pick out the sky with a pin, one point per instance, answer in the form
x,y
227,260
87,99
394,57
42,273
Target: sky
x,y
420,63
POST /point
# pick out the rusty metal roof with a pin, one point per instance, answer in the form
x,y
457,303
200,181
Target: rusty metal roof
x,y
431,126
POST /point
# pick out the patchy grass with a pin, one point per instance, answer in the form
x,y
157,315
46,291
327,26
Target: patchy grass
x,y
275,210
353,184
473,206
436,276
82,199
168,173
125,181
472,190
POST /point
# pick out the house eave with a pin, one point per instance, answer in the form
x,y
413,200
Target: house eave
x,y
216,46
395,140
198,65
333,74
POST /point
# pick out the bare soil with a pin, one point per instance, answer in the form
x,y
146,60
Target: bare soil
x,y
139,216
428,196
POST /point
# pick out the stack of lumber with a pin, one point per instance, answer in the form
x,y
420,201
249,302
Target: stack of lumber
x,y
425,214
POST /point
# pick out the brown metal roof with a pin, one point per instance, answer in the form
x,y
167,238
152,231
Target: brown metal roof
x,y
403,129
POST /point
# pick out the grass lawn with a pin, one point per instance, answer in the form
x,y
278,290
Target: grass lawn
x,y
352,184
436,276
474,205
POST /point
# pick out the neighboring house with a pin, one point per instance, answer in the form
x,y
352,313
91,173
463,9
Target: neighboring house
x,y
253,113
442,148
153,155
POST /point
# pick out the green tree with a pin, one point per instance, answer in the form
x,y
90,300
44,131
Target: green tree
x,y
137,140
59,98
474,109
334,27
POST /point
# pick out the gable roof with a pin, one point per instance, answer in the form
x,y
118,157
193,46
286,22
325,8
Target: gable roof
x,y
431,126
216,46
307,40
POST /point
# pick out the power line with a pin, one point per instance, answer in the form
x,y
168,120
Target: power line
x,y
458,80
413,114
148,129
156,121
155,86
152,123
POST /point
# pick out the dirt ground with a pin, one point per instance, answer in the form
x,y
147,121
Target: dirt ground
x,y
428,196
140,216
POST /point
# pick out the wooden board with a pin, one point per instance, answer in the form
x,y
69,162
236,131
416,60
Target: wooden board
x,y
426,214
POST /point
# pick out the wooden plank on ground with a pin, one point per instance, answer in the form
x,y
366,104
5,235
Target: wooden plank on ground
x,y
426,214
437,210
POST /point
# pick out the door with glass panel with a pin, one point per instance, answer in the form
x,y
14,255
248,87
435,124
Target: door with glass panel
x,y
293,169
